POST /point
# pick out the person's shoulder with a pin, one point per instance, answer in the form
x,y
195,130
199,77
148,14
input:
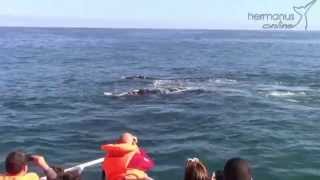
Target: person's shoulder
x,y
2,176
28,176
5,177
32,176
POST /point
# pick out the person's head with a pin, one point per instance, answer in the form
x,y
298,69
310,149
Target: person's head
x,y
69,176
218,175
16,163
195,170
237,169
58,169
61,175
128,138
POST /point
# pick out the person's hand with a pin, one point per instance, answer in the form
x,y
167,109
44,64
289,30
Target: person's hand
x,y
213,177
40,161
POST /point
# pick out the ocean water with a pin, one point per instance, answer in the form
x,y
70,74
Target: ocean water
x,y
239,93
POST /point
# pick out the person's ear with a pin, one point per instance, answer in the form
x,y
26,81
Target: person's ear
x,y
25,168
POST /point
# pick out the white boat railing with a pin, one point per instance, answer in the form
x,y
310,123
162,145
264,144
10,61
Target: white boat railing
x,y
82,166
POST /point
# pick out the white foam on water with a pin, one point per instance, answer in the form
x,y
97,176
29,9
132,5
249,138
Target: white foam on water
x,y
223,81
108,94
283,88
177,86
285,93
192,84
293,100
121,94
168,83
115,95
180,90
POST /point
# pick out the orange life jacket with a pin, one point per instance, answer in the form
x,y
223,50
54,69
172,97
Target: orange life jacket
x,y
117,160
27,176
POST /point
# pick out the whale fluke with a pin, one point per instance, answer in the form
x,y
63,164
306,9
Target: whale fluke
x,y
303,11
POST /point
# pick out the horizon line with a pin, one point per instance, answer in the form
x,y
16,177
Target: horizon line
x,y
159,28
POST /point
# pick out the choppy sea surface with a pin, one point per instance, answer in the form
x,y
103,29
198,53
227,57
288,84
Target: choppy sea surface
x,y
219,94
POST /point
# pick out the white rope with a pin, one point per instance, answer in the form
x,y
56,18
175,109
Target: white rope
x,y
81,167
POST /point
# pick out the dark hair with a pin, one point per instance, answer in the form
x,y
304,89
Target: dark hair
x,y
195,170
219,175
237,169
15,162
69,176
61,175
58,169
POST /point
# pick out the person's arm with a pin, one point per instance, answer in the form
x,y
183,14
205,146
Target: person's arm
x,y
148,161
48,171
142,161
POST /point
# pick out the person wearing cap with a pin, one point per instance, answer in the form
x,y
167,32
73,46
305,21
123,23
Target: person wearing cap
x,y
16,166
